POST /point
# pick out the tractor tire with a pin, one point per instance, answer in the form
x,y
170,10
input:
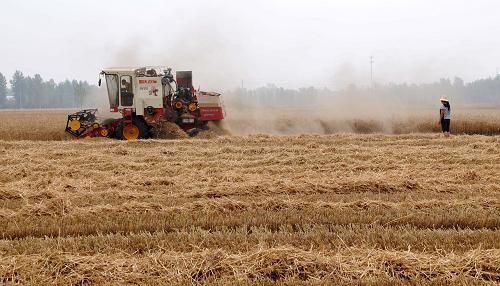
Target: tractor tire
x,y
137,129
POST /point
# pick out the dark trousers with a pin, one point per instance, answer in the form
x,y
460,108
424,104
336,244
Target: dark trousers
x,y
445,125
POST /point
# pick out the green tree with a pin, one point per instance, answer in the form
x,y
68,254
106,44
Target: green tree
x,y
28,94
78,92
18,86
3,90
49,94
37,91
65,94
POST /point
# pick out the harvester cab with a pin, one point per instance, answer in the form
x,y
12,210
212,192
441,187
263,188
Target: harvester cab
x,y
147,97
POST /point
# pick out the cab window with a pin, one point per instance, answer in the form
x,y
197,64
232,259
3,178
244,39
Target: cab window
x,y
112,85
126,90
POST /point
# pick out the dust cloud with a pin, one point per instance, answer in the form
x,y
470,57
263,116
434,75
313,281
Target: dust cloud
x,y
323,113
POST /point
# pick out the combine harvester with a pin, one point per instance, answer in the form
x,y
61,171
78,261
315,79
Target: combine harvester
x,y
147,97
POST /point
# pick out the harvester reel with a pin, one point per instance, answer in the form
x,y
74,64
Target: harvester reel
x,y
75,125
80,121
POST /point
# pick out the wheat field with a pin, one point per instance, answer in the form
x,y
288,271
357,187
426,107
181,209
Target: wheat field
x,y
352,209
40,125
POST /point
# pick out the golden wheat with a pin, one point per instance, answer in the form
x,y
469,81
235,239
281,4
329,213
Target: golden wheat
x,y
43,125
307,209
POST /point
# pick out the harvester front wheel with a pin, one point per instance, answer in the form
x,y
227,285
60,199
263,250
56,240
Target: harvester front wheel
x,y
137,129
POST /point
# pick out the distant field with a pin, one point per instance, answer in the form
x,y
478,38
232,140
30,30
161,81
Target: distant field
x,y
307,210
43,125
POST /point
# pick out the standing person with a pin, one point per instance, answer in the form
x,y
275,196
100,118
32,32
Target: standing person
x,y
445,115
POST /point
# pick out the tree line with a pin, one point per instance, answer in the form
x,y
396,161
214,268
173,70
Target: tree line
x,y
480,92
35,92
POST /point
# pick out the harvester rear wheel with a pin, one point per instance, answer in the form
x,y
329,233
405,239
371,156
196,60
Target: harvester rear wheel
x,y
137,129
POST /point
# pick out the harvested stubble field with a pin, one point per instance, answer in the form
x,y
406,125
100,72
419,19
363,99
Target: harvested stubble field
x,y
239,210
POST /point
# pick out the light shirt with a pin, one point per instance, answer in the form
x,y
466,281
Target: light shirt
x,y
447,112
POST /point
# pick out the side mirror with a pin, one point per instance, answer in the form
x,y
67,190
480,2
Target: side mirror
x,y
99,81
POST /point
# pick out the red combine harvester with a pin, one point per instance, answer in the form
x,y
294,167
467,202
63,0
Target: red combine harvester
x,y
147,97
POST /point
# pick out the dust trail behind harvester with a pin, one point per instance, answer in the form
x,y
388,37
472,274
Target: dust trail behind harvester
x,y
315,114
350,113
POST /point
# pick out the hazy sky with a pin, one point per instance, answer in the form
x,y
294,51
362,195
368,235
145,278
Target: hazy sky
x,y
290,43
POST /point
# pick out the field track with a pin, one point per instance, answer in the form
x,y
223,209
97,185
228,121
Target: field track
x,y
308,209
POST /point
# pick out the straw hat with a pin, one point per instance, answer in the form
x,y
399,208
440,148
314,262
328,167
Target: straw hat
x,y
444,98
